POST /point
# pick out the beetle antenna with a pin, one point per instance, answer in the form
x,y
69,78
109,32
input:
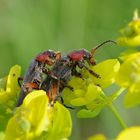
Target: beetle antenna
x,y
105,42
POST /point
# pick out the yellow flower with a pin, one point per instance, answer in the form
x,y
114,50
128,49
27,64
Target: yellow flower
x,y
129,72
89,89
35,119
97,137
107,71
9,87
131,33
129,77
132,133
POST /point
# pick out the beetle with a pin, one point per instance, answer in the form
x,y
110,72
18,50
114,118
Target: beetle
x,y
38,68
79,57
65,68
57,79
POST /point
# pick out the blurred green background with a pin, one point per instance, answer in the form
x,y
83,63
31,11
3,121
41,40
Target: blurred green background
x,y
28,27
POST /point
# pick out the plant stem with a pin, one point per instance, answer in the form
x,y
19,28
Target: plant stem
x,y
117,115
117,94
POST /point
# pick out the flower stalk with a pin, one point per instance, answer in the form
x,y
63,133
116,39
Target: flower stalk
x,y
117,115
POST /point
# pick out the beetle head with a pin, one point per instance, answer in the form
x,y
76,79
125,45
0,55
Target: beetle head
x,y
88,57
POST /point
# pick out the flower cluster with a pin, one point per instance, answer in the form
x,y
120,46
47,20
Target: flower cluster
x,y
34,119
129,73
8,96
131,133
129,77
89,92
131,33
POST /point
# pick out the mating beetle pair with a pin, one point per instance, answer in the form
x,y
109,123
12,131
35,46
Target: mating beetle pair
x,y
51,72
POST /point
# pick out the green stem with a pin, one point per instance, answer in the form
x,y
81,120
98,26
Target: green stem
x,y
118,93
117,115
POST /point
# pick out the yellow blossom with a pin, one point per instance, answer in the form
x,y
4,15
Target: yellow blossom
x,y
132,133
10,88
131,33
35,119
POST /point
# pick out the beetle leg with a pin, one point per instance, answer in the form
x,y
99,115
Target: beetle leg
x,y
28,87
53,92
76,73
19,80
54,77
92,61
71,88
49,72
62,100
81,65
65,85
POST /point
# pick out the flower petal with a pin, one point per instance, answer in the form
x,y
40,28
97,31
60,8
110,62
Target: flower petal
x,y
129,72
132,98
131,33
107,71
84,113
132,133
30,119
35,119
62,124
12,82
97,137
130,42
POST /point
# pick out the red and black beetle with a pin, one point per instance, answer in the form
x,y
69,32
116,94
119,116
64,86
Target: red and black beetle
x,y
65,68
79,57
34,75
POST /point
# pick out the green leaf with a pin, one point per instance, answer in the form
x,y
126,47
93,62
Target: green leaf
x,y
84,113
